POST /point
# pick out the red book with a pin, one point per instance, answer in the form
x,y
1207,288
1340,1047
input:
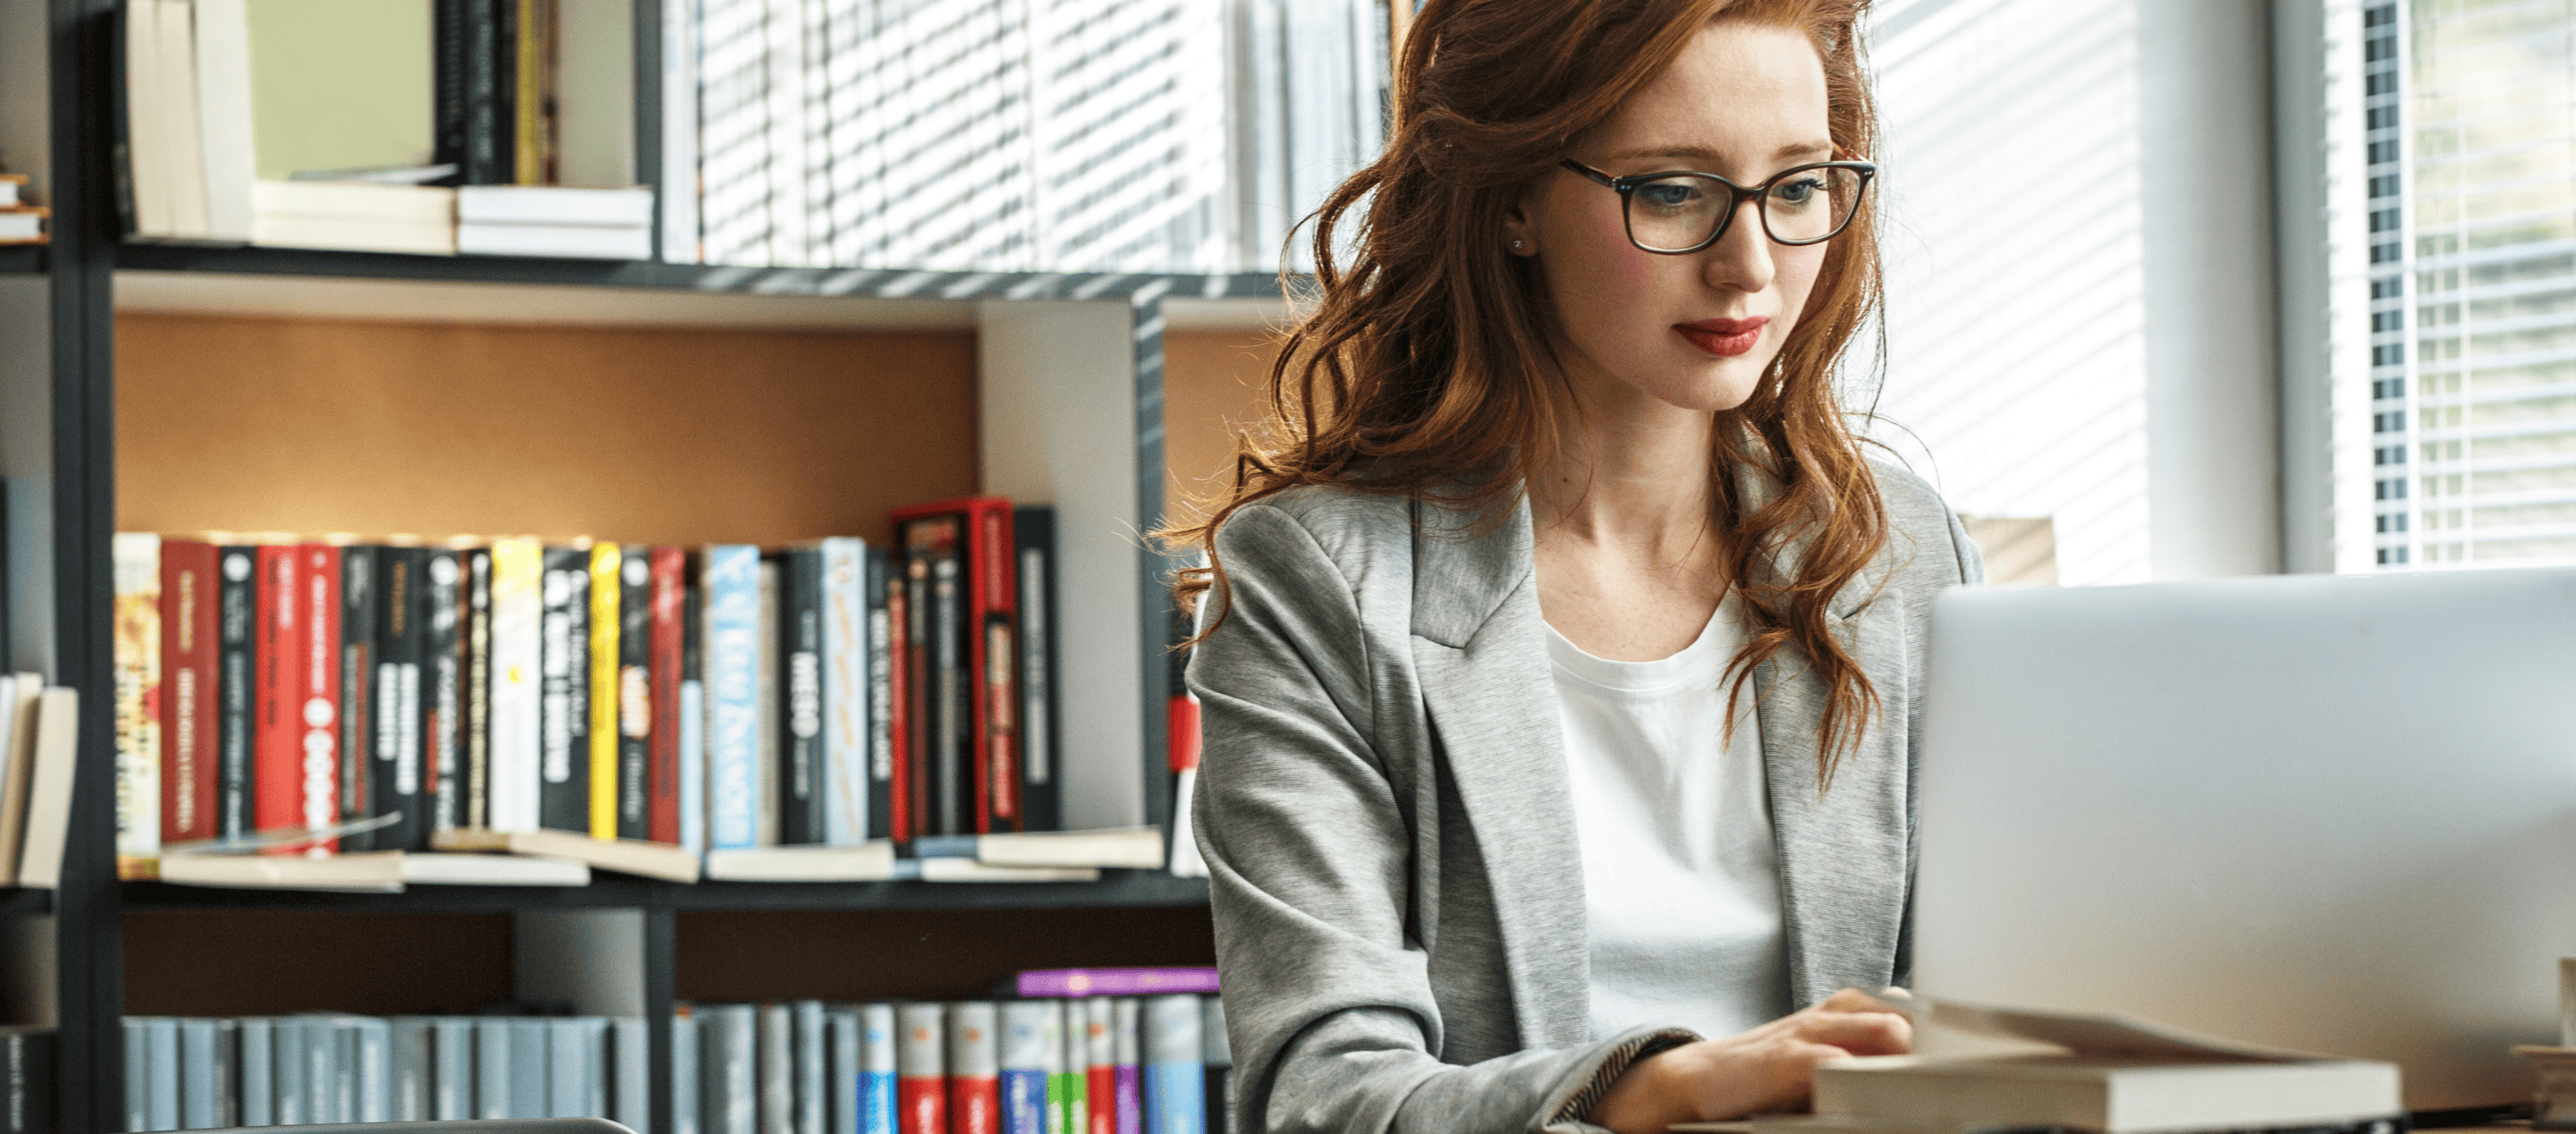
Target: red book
x,y
662,742
190,599
277,744
318,656
899,712
991,651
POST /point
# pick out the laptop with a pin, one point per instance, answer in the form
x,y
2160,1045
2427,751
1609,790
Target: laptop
x,y
2334,814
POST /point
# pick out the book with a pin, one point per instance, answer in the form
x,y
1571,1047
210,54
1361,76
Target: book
x,y
370,872
190,610
877,1093
627,856
137,652
882,732
558,241
237,693
1217,1055
629,1078
844,780
18,697
629,206
974,1069
26,1079
492,1066
731,583
872,862
606,628
1117,982
1100,1064
812,1064
1030,1048
1134,847
903,799
356,681
777,1069
941,761
563,789
531,1057
973,590
443,697
49,790
921,1069
799,696
728,1045
410,1055
1067,1089
160,1073
23,225
845,1081
224,117
257,1057
771,733
1175,1076
278,769
401,780
485,158
13,190
693,722
679,173
146,168
354,215
634,692
667,661
1128,1102
318,657
1041,787
687,1073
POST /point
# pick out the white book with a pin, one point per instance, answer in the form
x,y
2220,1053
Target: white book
x,y
49,795
873,862
147,152
630,856
563,241
626,206
352,234
517,614
373,1070
693,764
845,692
19,227
969,870
1135,847
566,1069
356,200
18,693
686,1073
177,26
783,63
224,116
369,872
680,131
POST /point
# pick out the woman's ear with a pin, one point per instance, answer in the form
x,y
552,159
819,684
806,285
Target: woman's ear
x,y
1520,233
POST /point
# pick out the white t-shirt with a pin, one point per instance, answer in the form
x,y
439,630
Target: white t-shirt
x,y
1681,880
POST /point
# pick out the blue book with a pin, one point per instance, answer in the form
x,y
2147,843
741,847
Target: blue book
x,y
1025,1064
258,1105
876,1069
1175,1074
845,691
731,580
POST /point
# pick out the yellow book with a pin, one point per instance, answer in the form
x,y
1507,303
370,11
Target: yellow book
x,y
604,571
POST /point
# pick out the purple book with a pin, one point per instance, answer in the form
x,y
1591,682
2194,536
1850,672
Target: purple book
x,y
1125,1026
1117,982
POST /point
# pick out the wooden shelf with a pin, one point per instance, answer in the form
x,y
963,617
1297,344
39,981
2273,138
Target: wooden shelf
x,y
1117,889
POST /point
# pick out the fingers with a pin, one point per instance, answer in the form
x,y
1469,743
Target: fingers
x,y
1859,1033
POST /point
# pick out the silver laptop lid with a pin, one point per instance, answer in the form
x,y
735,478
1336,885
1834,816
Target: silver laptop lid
x,y
2335,814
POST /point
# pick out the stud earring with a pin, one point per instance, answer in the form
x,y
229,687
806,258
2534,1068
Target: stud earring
x,y
1516,246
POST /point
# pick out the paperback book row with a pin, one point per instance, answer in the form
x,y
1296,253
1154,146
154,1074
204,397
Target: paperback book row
x,y
381,697
1099,1065
26,1080
204,1074
191,147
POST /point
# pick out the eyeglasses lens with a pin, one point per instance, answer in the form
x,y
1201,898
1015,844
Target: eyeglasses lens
x,y
1682,212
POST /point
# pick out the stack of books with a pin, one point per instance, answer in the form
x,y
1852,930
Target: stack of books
x,y
826,710
21,221
545,220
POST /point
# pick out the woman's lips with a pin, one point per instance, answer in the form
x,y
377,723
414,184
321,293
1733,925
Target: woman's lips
x,y
1724,338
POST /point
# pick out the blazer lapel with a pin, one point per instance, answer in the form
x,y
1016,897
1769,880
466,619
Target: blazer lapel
x,y
1844,866
1481,650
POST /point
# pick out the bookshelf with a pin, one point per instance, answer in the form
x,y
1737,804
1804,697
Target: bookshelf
x,y
113,356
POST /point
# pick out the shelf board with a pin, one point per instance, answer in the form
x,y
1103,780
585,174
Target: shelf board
x,y
23,901
22,259
1116,889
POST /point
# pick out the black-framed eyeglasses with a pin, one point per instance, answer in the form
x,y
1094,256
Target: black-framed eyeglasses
x,y
1679,211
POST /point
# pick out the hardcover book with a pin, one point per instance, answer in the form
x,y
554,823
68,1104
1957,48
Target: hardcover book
x,y
401,723
731,582
137,654
634,691
880,653
189,659
318,656
445,610
845,778
516,724
1041,787
236,691
606,630
800,696
356,683
279,736
667,660
563,792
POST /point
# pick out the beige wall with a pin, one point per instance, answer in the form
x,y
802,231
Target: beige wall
x,y
339,83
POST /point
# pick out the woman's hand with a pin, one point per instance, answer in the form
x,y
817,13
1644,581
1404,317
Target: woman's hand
x,y
1771,1068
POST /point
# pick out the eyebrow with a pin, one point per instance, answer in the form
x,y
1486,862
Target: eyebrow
x,y
1784,153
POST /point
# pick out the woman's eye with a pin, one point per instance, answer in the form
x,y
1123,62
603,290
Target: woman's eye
x,y
1668,194
1802,191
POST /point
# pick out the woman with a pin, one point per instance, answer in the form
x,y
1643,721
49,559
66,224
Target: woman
x,y
1561,647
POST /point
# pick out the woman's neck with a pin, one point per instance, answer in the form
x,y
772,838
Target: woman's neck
x,y
1631,471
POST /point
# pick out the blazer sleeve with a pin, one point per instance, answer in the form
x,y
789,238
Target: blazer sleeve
x,y
1328,1000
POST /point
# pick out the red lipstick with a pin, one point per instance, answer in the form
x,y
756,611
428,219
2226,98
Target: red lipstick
x,y
1724,338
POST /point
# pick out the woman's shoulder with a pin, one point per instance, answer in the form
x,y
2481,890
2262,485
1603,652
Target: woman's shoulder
x,y
1924,535
1341,522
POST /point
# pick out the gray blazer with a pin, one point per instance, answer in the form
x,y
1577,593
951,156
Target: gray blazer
x,y
1384,813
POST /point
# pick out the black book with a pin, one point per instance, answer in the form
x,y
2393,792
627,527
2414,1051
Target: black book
x,y
919,725
236,690
358,629
1041,757
477,725
881,574
401,644
26,1080
800,695
634,689
449,35
952,804
442,692
563,668
490,80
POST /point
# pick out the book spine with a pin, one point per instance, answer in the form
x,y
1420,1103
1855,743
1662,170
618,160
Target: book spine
x,y
162,1074
764,764
278,789
492,1066
845,693
373,1071
1100,1064
879,658
667,661
735,1084
878,1104
1041,789
443,699
921,1069
319,657
27,1062
197,1101
563,794
358,705
688,1071
408,1053
632,1074
257,1056
487,147
634,692
477,726
528,43
189,613
450,38
993,663
451,1078
1129,1107
974,1069
1175,1084
732,596
237,692
564,1067
404,782
1071,1094
952,694
800,695
607,629
137,654
532,1059
919,666
846,1080
227,1073
693,722
777,1070
811,1063
517,722
900,795
1030,1046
